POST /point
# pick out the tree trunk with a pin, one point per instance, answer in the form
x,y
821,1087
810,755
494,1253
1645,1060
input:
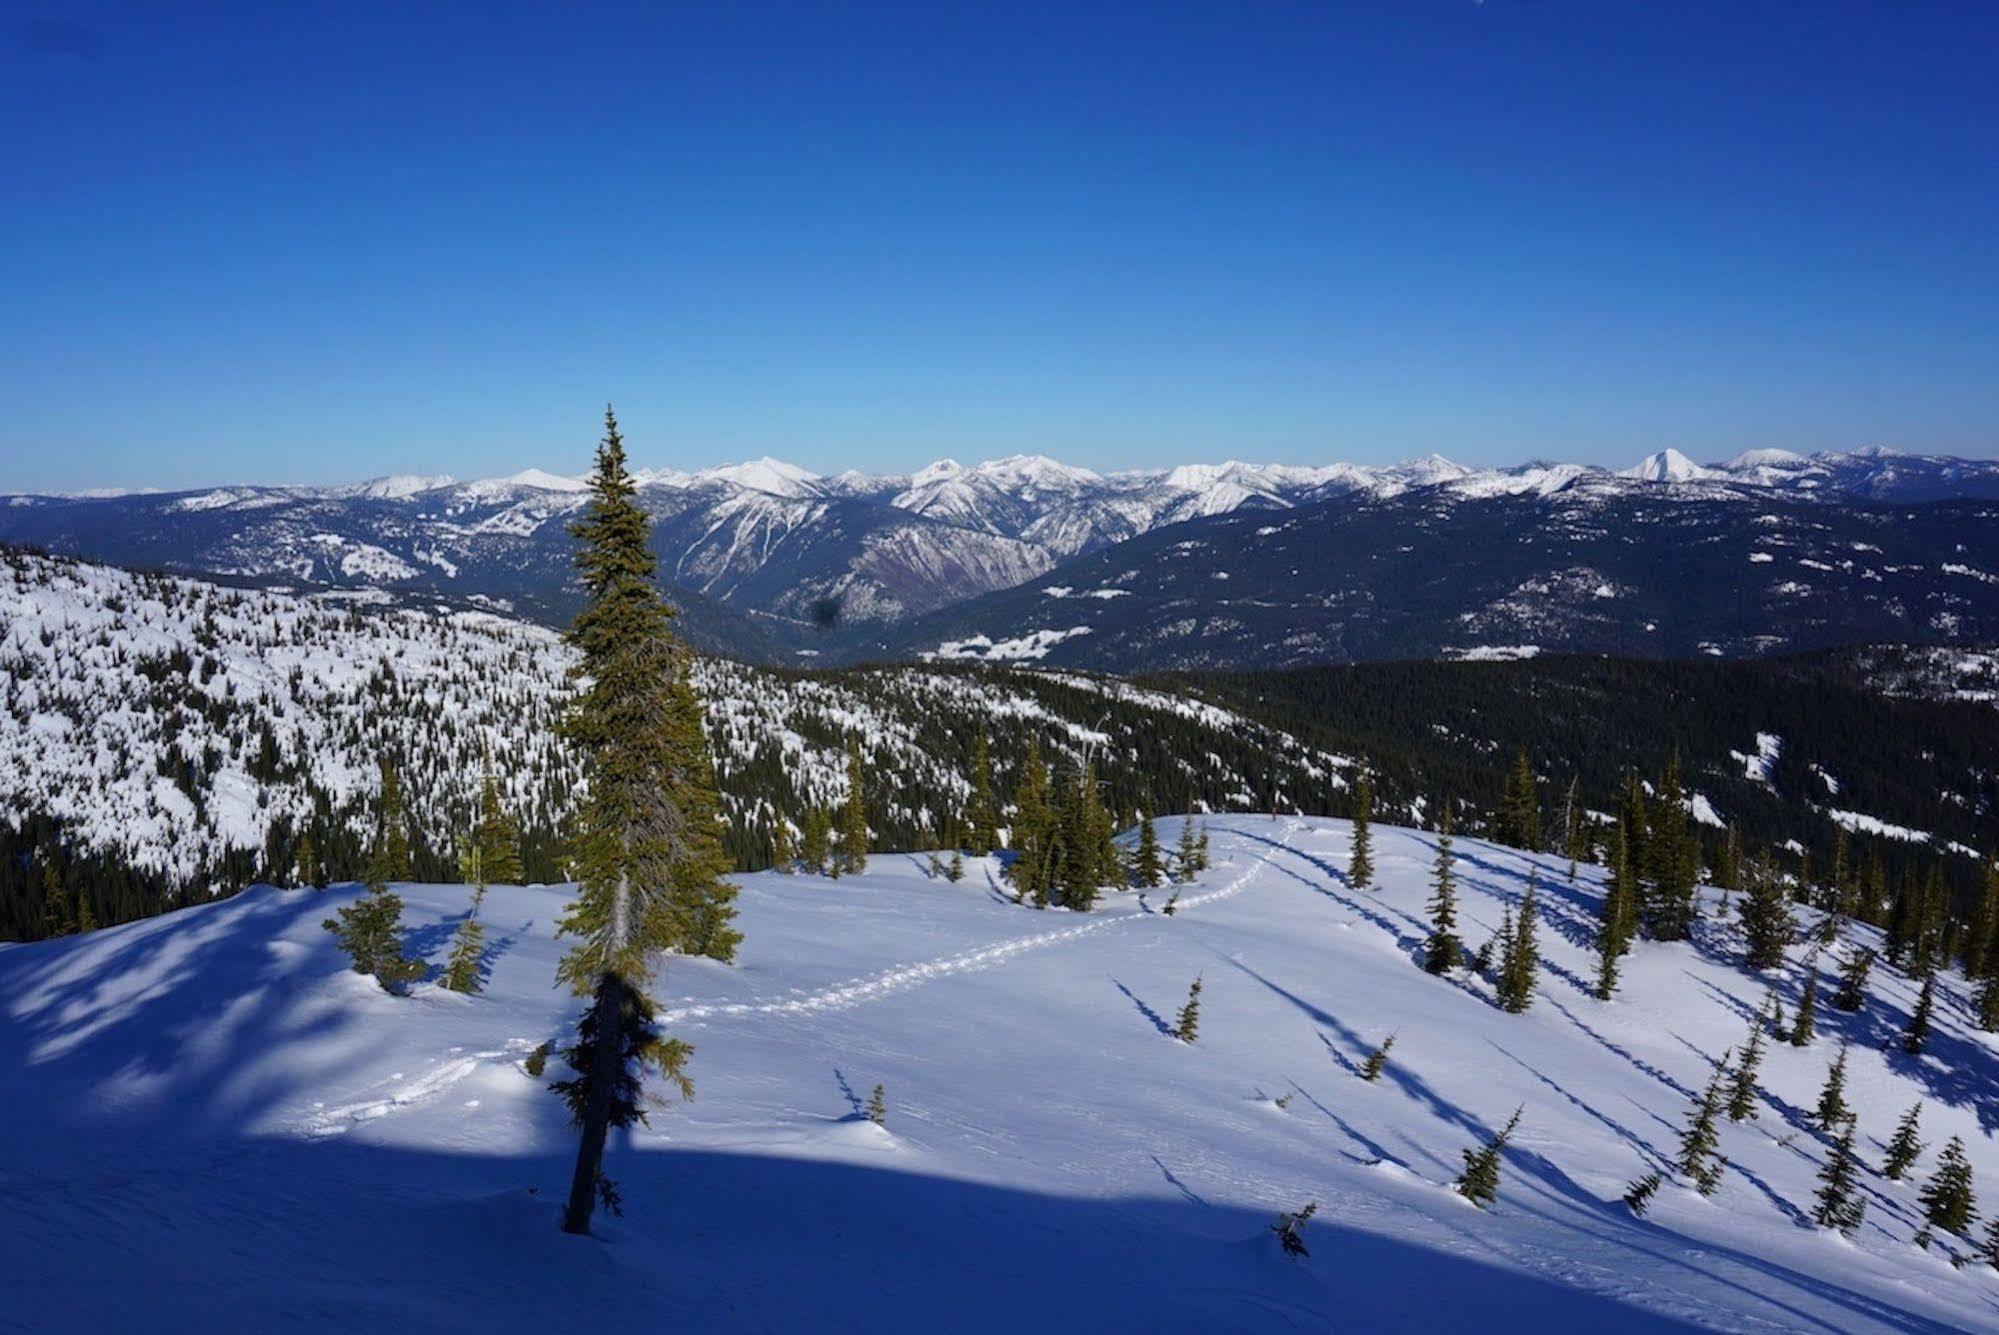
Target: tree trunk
x,y
604,1059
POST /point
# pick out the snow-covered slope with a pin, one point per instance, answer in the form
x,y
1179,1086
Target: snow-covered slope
x,y
211,1124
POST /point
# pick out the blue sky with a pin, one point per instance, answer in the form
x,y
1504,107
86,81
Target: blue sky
x,y
311,243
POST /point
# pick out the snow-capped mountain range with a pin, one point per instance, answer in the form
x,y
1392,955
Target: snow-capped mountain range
x,y
770,560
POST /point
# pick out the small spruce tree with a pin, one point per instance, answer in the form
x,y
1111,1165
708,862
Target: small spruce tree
x,y
1443,950
878,1106
1377,1060
1742,1085
1805,1028
813,840
1838,1204
1832,1109
1479,1182
1187,860
1360,862
1700,1142
1287,1230
1638,1195
1766,916
1947,1200
1852,993
1520,957
1151,866
1190,1014
1918,1036
1904,1148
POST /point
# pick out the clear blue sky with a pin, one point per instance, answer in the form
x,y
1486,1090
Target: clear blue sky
x,y
295,242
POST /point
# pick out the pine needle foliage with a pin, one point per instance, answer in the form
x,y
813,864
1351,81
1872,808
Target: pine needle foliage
x,y
1377,1060
1189,1024
1905,1147
1360,861
1479,1182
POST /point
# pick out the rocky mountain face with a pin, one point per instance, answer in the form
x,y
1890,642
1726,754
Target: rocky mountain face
x,y
774,563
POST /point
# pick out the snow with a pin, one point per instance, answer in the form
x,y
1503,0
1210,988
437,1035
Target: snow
x,y
1861,823
1762,765
1035,644
1494,653
213,1125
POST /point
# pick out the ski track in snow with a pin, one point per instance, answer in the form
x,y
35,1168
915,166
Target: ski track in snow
x,y
345,1117
857,991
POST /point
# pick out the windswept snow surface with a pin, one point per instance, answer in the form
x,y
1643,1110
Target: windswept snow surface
x,y
210,1124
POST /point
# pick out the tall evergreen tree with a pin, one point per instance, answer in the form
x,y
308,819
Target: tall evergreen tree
x,y
1701,1141
1360,863
1904,1149
648,851
1033,831
1838,1204
1675,860
1988,995
1918,1036
308,863
1948,1202
783,856
1187,859
981,817
1443,950
1766,917
815,840
1621,893
462,970
854,815
1520,805
1479,1182
1575,830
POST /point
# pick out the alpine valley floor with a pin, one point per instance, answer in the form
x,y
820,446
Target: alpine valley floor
x,y
207,1122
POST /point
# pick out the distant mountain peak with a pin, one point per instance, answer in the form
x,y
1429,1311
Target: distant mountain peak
x,y
1669,465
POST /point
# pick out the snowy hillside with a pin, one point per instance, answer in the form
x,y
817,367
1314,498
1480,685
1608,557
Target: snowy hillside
x,y
211,1123
176,723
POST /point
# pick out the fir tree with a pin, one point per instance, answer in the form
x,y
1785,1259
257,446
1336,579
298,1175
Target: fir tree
x,y
393,844
1443,949
1918,1036
1832,1109
1575,831
1377,1060
1904,1148
1620,896
1034,829
1742,1086
370,930
1360,862
783,857
878,1106
1479,1182
86,914
1190,1014
307,862
1520,806
1638,1195
854,815
980,814
1675,857
1501,939
955,872
1287,1226
1852,993
814,840
1947,1200
1988,996
1701,1140
1804,1029
1201,862
1838,1204
499,837
1520,958
1151,867
1978,933
1187,857
1766,917
647,852
468,950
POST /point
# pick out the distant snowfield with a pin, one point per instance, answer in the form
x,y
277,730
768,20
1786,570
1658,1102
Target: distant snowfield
x,y
210,1124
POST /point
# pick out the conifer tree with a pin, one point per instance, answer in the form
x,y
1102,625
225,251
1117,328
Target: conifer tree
x,y
1360,862
1988,995
498,835
393,844
878,1106
1500,940
1201,862
648,851
1607,951
814,840
1190,1014
86,914
1918,1036
1575,831
1742,1086
854,815
980,814
1675,857
1520,958
307,872
370,929
1947,1200
1984,924
1838,1204
1443,950
1150,867
1479,1182
1766,917
1905,1147
1638,1195
1832,1109
1187,857
1701,1140
468,944
955,872
1034,839
1377,1060
1287,1229
1805,1028
1620,900
1520,806
1728,861
783,857
1852,994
